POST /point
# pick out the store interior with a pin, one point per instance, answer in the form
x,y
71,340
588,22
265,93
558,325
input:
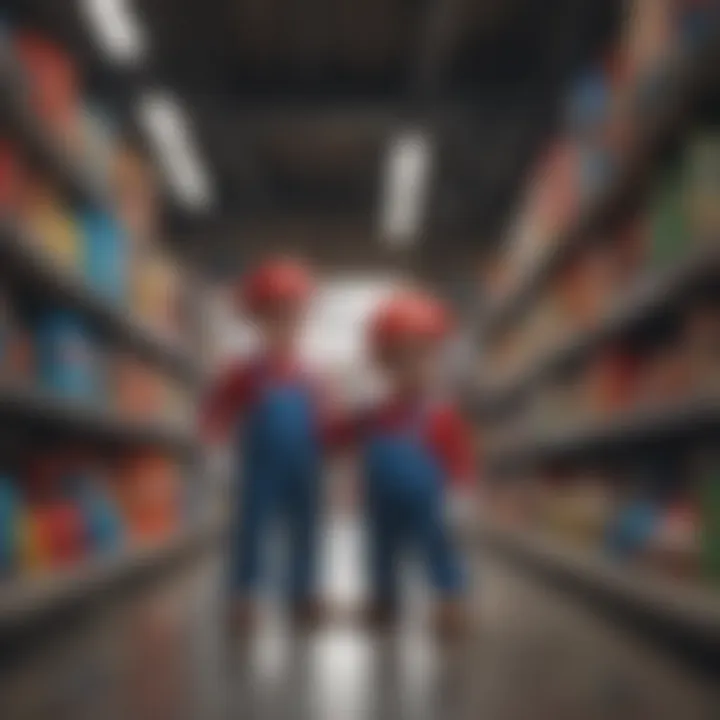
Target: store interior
x,y
549,170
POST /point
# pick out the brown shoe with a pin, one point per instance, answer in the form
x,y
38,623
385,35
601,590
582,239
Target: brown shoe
x,y
243,615
379,616
451,621
308,614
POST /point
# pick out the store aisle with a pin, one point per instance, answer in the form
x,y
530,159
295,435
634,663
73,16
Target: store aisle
x,y
163,654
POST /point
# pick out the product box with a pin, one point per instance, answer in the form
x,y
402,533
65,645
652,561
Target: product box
x,y
67,361
707,468
702,187
53,82
105,252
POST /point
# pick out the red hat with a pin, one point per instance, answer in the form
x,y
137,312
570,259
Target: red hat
x,y
408,316
279,281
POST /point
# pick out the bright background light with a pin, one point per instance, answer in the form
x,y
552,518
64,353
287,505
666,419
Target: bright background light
x,y
115,28
173,144
405,188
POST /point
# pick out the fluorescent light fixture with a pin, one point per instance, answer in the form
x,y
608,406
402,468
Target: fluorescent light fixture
x,y
405,188
179,160
116,29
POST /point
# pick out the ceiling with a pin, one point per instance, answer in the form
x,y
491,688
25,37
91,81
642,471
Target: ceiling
x,y
294,102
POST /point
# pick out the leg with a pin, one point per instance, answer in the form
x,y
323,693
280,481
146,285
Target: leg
x,y
301,510
444,570
248,533
383,548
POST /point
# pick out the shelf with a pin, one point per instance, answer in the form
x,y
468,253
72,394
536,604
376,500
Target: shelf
x,y
688,614
43,410
650,297
26,600
654,128
694,417
19,120
25,266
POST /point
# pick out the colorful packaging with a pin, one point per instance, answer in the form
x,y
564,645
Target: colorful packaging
x,y
103,523
708,472
105,254
701,339
10,518
668,222
67,362
702,191
12,178
62,529
631,531
53,81
150,489
53,229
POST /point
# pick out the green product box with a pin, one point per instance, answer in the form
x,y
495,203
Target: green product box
x,y
669,238
709,477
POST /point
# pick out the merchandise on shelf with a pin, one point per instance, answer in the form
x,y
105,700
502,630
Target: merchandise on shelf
x,y
157,294
101,515
701,338
12,178
612,382
53,82
707,467
98,145
136,200
138,389
650,29
67,360
151,494
52,227
668,222
674,548
702,174
105,251
10,518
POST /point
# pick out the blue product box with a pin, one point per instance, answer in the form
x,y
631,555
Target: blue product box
x,y
105,252
65,356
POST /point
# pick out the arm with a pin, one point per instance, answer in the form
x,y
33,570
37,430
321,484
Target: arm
x,y
227,397
451,438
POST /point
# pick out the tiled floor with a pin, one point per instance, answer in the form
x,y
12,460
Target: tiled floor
x,y
164,654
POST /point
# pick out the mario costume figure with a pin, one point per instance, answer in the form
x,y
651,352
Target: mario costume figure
x,y
412,447
268,406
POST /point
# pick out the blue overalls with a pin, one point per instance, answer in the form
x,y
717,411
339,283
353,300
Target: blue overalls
x,y
279,487
404,496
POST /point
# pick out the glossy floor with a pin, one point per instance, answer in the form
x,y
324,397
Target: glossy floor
x,y
164,653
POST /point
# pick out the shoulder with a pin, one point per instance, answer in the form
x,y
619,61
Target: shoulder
x,y
444,418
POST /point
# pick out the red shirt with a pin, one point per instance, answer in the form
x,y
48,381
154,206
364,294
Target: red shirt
x,y
445,431
237,388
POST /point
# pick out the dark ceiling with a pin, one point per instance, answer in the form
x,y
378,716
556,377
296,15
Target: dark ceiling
x,y
295,101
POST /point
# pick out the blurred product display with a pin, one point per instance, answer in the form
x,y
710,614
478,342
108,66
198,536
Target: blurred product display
x,y
92,341
600,377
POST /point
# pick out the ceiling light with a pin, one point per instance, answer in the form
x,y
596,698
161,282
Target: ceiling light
x,y
171,138
405,187
117,30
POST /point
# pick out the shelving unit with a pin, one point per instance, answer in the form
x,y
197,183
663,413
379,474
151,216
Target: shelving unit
x,y
650,297
691,615
71,418
693,417
588,444
28,600
654,128
27,270
23,266
18,120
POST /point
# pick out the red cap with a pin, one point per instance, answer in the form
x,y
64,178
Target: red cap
x,y
279,281
408,317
